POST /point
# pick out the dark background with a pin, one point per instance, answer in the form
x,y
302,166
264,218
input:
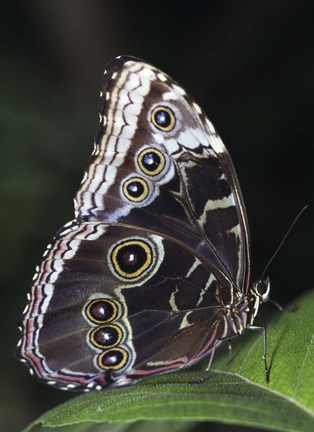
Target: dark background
x,y
249,64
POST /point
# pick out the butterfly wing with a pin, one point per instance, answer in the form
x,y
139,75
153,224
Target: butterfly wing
x,y
136,285
100,316
195,197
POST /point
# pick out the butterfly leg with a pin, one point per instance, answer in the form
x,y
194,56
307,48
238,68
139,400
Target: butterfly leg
x,y
263,329
230,354
291,309
212,355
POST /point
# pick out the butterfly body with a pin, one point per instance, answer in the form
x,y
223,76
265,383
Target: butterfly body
x,y
153,272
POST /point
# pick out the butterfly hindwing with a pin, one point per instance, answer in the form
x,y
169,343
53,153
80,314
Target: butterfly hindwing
x,y
167,291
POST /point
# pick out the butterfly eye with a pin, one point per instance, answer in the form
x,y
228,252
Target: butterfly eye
x,y
101,311
151,161
163,118
106,336
131,258
135,189
113,359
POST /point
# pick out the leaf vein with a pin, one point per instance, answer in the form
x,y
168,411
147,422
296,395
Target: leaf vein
x,y
305,360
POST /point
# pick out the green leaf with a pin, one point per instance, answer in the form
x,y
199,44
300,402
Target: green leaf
x,y
234,392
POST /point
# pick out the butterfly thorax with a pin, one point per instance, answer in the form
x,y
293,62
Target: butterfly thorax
x,y
238,311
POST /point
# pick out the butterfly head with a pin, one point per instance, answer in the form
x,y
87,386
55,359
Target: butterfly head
x,y
261,289
259,294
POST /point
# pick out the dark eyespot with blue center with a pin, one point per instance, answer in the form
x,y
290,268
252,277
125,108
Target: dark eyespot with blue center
x,y
151,161
163,118
135,189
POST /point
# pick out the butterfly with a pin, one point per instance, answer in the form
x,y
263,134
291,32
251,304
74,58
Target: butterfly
x,y
153,272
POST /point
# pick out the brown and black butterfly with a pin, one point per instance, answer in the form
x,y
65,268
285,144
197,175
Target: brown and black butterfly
x,y
153,272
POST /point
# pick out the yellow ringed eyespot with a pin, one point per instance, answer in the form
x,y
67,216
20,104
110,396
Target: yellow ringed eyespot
x,y
113,359
151,161
135,189
163,118
107,336
131,258
102,310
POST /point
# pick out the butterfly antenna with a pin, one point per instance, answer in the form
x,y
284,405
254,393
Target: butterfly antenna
x,y
283,240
